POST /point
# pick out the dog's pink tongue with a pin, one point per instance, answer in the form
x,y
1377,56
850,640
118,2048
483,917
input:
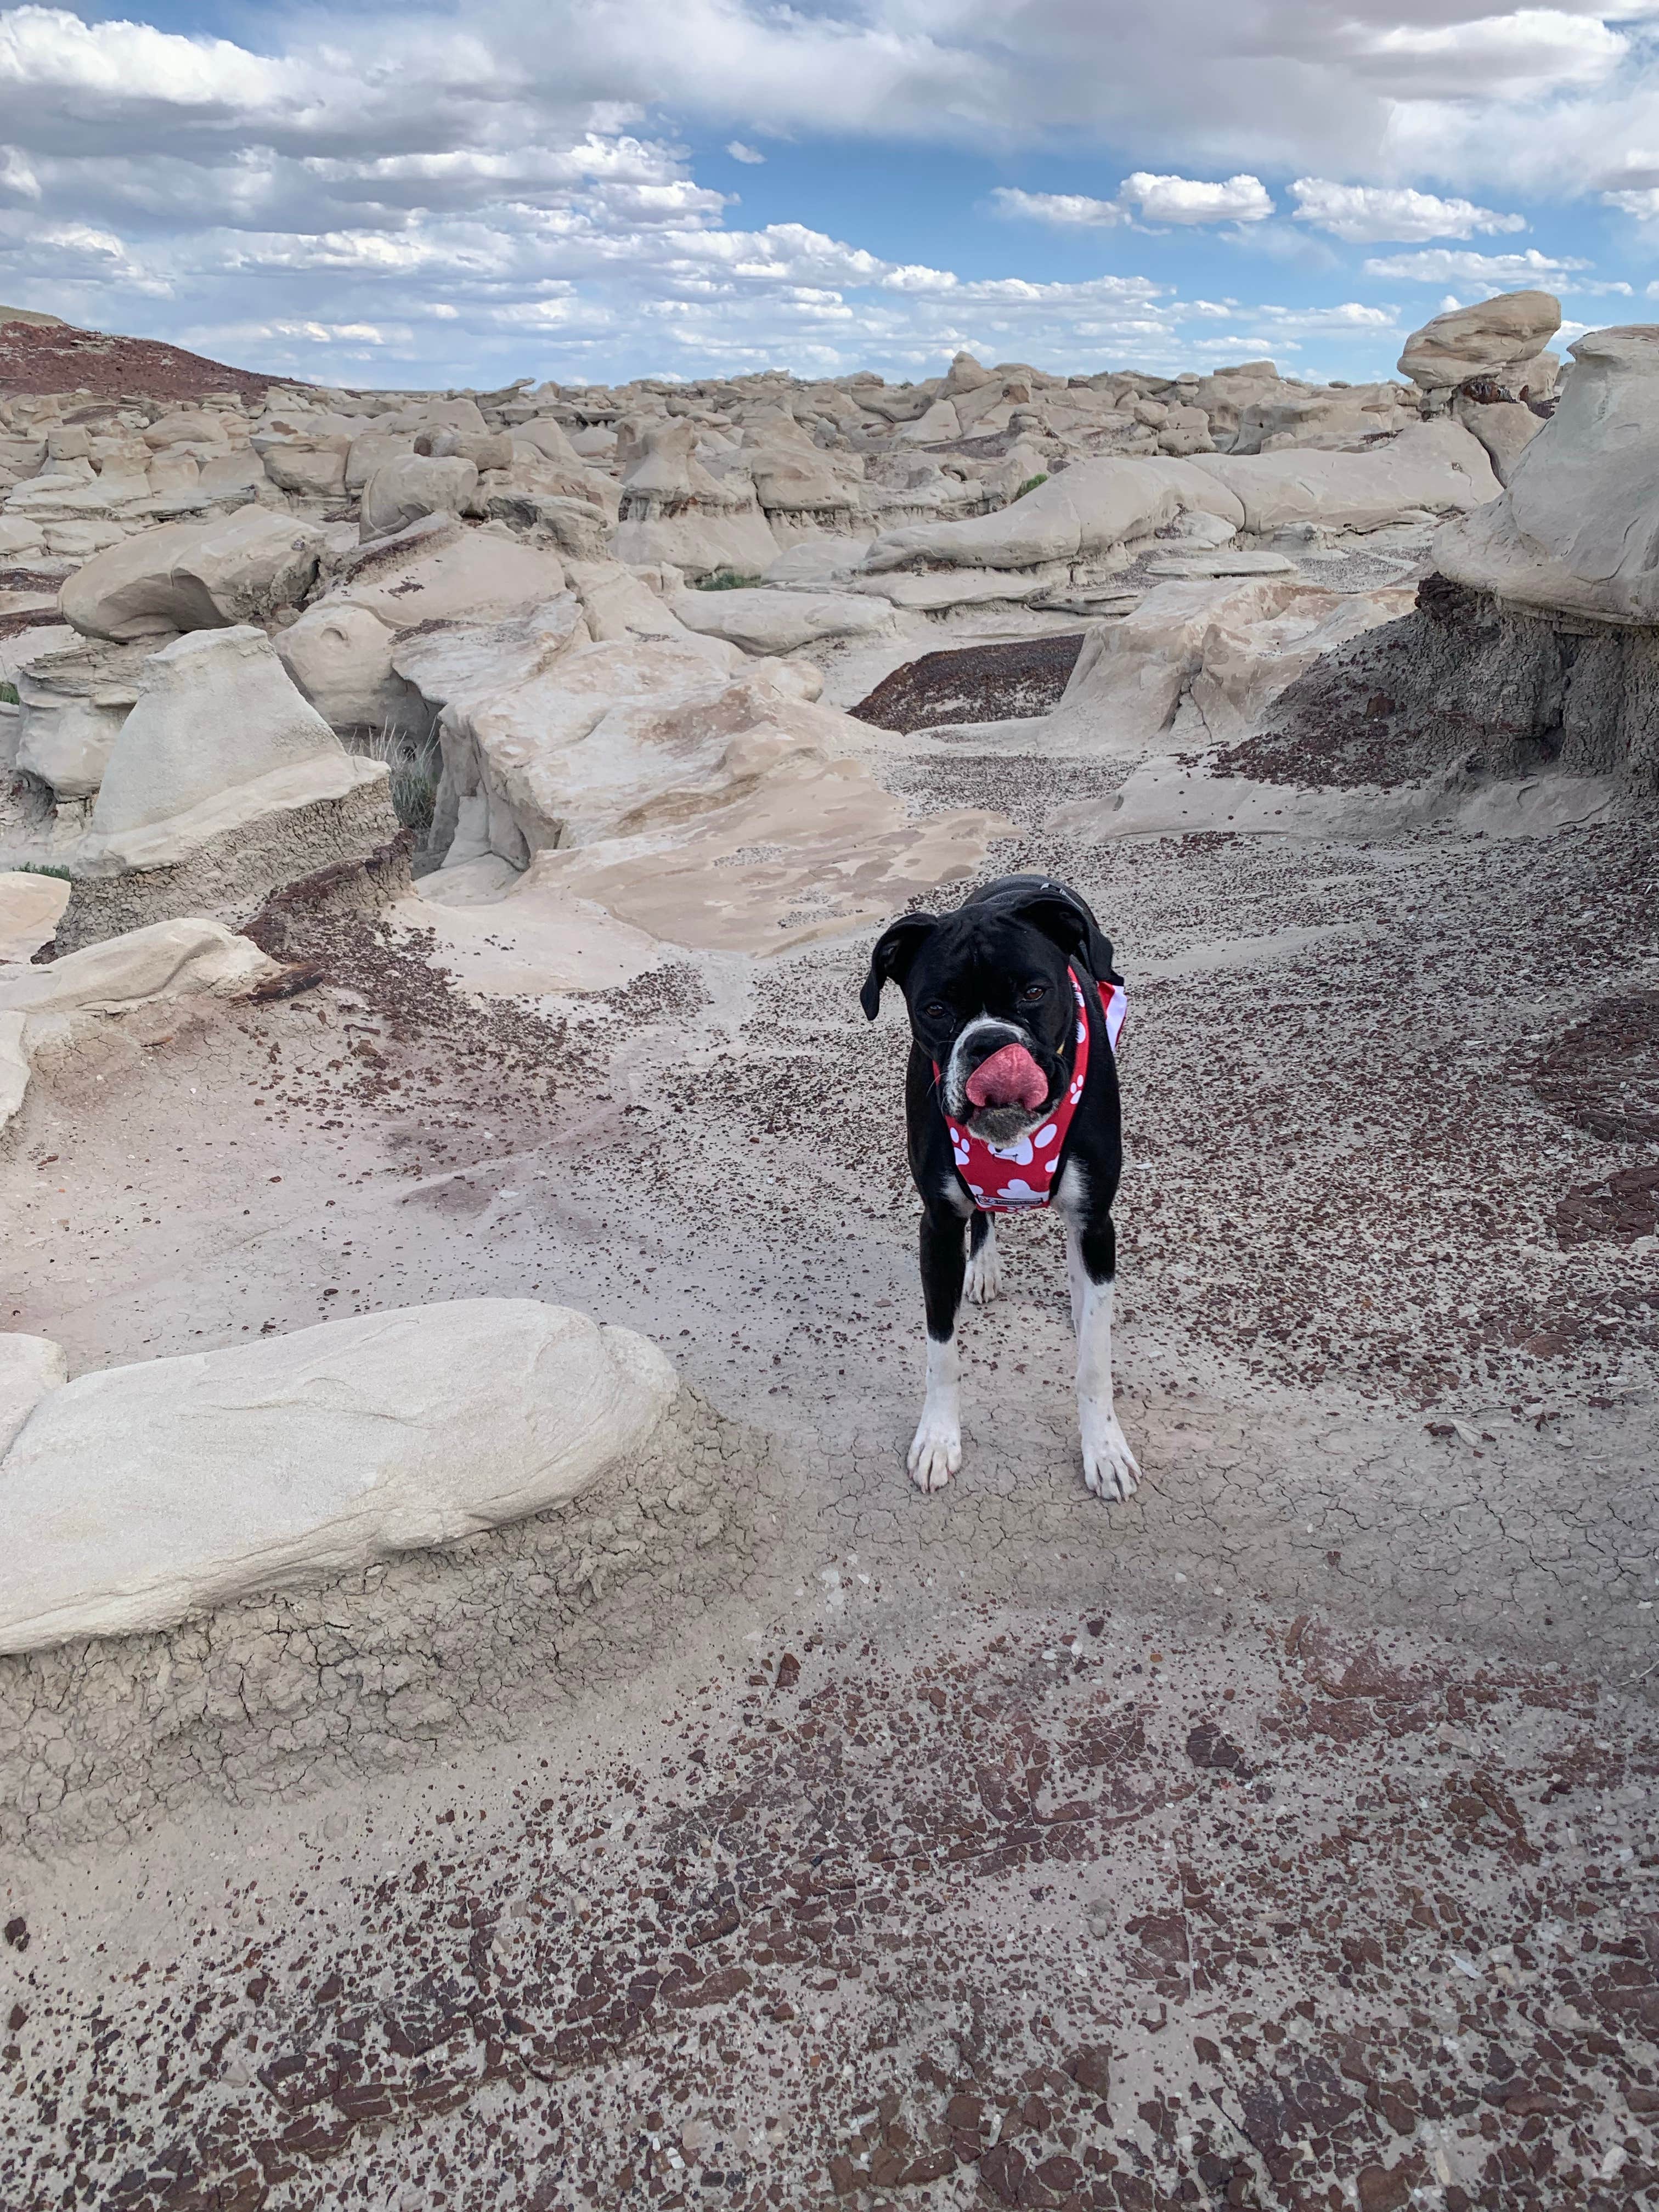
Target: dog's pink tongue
x,y
1009,1078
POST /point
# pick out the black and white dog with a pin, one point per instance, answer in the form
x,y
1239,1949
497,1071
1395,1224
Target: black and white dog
x,y
1011,1100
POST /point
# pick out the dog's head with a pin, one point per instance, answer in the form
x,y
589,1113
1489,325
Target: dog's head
x,y
990,1003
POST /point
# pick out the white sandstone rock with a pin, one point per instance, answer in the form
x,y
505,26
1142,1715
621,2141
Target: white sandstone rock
x,y
401,492
310,471
768,622
1089,512
1429,468
196,575
372,449
1574,531
188,957
1505,427
220,736
29,907
339,654
339,650
1504,338
439,570
73,703
139,1495
29,1367
939,426
619,602
1230,648
184,958
215,709
673,510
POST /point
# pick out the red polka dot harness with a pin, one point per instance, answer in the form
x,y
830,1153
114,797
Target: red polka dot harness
x,y
1004,1180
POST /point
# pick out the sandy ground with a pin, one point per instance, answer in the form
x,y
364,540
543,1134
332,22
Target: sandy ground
x,y
1284,1837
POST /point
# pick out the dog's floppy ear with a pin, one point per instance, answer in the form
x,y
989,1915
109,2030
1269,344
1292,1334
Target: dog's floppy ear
x,y
1060,918
894,949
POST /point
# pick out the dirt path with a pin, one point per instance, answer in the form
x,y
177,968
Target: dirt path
x,y
1387,1353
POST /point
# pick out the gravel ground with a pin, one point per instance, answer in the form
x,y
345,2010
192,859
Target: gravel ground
x,y
1283,1838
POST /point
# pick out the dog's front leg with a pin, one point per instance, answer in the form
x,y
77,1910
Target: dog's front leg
x,y
936,1449
1108,1465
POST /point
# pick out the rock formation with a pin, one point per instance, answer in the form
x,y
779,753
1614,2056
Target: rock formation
x,y
1503,340
139,1495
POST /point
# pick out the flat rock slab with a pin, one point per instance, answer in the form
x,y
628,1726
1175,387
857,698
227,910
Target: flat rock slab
x,y
29,907
142,1494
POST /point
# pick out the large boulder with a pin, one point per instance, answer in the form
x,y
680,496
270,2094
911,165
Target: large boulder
x,y
1505,427
1574,532
223,785
1226,394
1225,646
339,654
215,711
1089,512
241,567
1429,469
30,904
403,490
139,1495
1336,417
72,704
339,650
1504,338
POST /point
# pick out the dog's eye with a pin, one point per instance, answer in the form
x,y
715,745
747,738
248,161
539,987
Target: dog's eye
x,y
1032,994
935,1011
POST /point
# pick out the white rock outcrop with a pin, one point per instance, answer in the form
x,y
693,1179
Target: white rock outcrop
x,y
139,1495
1504,338
29,907
1089,512
1574,531
72,705
1227,648
1430,469
403,490
243,568
220,736
339,650
190,957
673,510
770,622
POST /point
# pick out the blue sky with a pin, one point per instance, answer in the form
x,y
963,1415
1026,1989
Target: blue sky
x,y
691,187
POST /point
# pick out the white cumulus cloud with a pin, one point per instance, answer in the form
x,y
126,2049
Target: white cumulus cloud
x,y
1365,215
1067,210
1498,272
1185,199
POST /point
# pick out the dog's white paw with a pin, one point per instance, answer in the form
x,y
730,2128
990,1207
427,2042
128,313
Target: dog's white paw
x,y
984,1280
935,1453
1109,1468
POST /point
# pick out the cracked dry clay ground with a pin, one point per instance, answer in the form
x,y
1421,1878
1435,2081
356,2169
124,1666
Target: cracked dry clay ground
x,y
991,1907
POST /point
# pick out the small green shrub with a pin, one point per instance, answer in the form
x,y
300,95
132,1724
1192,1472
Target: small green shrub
x,y
1029,484
8,695
44,868
727,579
415,764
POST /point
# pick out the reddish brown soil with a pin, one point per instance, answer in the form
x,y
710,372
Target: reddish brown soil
x,y
58,357
977,683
